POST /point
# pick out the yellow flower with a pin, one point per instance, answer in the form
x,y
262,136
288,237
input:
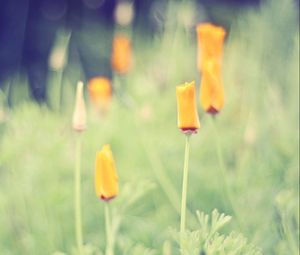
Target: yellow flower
x,y
188,120
121,54
79,115
100,92
210,43
212,89
106,179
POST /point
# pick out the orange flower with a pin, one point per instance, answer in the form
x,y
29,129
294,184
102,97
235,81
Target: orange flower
x,y
212,89
106,179
121,54
100,92
79,115
188,120
210,43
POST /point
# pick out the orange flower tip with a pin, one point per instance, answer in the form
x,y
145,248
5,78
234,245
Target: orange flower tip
x,y
209,28
107,199
212,110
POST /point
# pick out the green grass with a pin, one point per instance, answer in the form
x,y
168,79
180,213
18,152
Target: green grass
x,y
258,130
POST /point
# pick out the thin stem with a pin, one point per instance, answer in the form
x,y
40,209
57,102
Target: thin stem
x,y
109,240
77,197
59,80
184,187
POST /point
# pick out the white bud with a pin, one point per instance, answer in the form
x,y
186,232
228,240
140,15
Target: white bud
x,y
79,115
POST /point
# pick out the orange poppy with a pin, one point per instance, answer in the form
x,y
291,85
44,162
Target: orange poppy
x,y
100,92
211,89
188,120
106,179
121,54
210,43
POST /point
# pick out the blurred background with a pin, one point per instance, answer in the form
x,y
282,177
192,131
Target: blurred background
x,y
46,46
31,30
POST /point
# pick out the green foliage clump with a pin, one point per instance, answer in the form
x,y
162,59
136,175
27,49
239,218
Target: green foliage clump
x,y
207,240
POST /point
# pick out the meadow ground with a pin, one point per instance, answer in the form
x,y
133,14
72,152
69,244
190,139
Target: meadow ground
x,y
258,131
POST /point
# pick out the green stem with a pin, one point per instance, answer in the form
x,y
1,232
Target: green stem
x,y
109,240
59,80
77,197
184,187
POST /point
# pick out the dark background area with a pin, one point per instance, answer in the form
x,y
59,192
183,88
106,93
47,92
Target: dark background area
x,y
28,29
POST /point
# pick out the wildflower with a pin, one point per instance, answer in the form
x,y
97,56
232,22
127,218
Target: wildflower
x,y
211,89
188,120
121,54
210,43
79,115
100,92
106,179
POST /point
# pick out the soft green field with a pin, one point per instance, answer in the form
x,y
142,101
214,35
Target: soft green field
x,y
258,131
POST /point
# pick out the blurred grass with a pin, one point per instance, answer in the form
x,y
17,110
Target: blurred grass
x,y
259,130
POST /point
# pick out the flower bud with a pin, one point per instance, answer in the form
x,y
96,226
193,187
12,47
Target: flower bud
x,y
100,93
106,179
121,54
210,44
188,120
79,115
211,88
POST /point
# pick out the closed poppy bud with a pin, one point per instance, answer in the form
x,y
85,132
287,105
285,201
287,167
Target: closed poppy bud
x,y
79,115
212,89
210,43
121,54
106,179
100,92
188,120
